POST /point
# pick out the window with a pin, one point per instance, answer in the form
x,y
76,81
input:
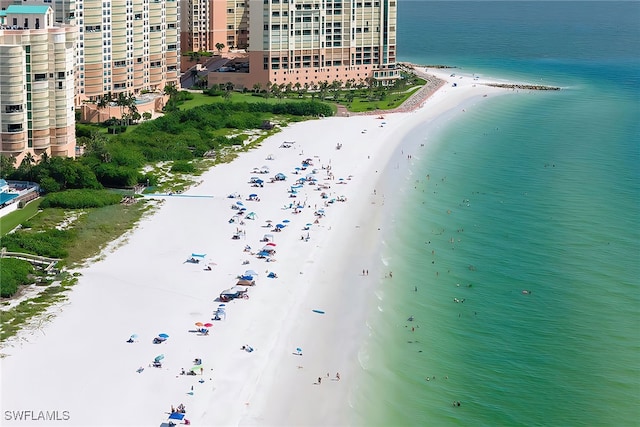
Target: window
x,y
13,108
39,77
16,127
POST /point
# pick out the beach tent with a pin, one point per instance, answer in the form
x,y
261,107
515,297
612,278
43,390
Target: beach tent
x,y
280,177
250,215
268,238
177,416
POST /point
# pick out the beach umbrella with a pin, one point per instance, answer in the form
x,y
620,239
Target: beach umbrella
x,y
208,325
165,336
250,273
133,336
159,358
199,324
286,221
280,226
270,244
197,368
239,203
253,195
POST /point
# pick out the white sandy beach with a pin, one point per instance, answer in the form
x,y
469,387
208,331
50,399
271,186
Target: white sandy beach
x,y
79,367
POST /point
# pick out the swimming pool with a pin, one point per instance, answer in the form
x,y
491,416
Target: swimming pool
x,y
6,197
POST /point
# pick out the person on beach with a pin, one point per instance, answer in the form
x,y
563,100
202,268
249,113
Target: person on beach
x,y
338,376
319,380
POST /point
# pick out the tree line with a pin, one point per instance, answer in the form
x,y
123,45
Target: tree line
x,y
117,160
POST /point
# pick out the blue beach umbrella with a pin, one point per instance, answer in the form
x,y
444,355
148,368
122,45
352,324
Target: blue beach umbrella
x,y
159,358
280,226
285,220
163,336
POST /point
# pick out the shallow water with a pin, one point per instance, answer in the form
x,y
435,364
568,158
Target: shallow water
x,y
536,192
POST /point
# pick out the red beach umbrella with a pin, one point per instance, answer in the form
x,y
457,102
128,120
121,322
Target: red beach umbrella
x,y
208,325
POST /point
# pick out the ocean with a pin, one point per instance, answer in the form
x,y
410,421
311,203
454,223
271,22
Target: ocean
x,y
515,243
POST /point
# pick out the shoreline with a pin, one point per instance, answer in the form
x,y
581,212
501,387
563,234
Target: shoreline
x,y
144,287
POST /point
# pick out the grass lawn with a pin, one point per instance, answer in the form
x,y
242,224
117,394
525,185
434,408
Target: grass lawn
x,y
202,99
11,221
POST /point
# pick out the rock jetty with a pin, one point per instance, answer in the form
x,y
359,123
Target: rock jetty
x,y
522,86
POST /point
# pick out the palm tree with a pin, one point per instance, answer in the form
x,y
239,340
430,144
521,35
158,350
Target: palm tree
x,y
44,158
194,74
133,109
203,82
268,89
171,90
27,165
103,102
219,47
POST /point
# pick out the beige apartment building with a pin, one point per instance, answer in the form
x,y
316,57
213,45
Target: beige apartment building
x,y
36,83
310,41
202,25
126,46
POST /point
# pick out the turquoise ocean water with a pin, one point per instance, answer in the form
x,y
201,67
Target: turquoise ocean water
x,y
537,192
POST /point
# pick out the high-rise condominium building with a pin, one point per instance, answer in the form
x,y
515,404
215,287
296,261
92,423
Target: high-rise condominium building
x,y
122,45
202,24
36,83
310,41
207,24
126,46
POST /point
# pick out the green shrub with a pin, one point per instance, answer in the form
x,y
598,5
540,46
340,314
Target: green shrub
x,y
15,272
182,166
50,243
80,199
49,185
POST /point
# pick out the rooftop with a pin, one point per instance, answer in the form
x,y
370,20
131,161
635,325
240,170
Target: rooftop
x,y
23,9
